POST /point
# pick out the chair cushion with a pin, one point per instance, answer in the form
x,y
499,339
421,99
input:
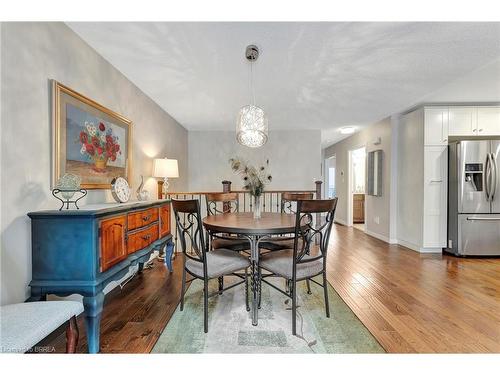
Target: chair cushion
x,y
231,244
285,243
219,262
281,264
25,324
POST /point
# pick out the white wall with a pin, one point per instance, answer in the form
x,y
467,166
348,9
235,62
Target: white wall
x,y
481,85
375,206
32,54
294,157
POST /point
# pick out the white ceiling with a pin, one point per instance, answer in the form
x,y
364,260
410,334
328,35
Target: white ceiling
x,y
309,75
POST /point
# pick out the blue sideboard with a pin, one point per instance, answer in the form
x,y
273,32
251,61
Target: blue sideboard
x,y
81,251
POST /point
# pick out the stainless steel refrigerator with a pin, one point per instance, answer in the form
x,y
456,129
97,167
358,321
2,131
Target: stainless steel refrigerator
x,y
474,198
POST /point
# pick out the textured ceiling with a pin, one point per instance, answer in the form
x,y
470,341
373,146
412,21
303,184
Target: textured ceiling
x,y
309,75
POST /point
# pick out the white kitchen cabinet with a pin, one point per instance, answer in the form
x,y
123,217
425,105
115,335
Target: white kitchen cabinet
x,y
488,121
436,126
462,121
435,196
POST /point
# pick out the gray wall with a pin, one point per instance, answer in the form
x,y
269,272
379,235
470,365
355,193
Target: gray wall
x,y
294,157
33,53
375,206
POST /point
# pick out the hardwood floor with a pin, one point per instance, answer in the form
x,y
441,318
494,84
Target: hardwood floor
x,y
410,302
417,303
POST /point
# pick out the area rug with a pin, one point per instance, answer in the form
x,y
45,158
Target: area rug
x,y
230,327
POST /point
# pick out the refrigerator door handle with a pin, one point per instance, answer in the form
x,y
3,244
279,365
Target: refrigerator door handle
x,y
487,178
480,218
495,176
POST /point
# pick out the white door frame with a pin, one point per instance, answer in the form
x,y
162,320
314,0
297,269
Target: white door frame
x,y
350,193
326,173
349,189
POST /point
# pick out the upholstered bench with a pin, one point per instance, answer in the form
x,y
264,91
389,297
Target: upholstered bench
x,y
23,325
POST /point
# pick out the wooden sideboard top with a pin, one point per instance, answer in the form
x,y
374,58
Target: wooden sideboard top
x,y
101,209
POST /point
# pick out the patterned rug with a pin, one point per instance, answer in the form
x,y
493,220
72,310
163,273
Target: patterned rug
x,y
230,327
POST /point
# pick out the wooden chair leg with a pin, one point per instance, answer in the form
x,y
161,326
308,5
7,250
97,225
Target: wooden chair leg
x,y
72,335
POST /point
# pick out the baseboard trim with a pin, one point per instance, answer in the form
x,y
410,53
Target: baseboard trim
x,y
419,249
409,245
431,250
341,222
378,236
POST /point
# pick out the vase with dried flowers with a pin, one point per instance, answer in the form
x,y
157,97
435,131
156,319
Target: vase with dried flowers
x,y
254,180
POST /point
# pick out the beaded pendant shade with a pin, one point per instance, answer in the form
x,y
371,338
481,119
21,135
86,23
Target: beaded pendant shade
x,y
251,126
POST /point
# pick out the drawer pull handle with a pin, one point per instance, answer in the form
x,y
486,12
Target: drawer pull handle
x,y
146,218
146,238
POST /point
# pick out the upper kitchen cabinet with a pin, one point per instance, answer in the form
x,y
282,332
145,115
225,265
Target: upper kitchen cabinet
x,y
462,121
472,121
436,126
488,121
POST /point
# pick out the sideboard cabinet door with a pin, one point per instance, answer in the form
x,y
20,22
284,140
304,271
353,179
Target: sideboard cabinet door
x,y
113,247
164,220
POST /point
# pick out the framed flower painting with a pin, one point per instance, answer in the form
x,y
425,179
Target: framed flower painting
x,y
89,140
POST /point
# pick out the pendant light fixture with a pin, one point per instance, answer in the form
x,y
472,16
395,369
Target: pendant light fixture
x,y
251,127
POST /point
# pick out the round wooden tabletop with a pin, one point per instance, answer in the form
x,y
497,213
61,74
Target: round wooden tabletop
x,y
244,223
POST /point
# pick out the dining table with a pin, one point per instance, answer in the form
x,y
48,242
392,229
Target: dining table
x,y
244,225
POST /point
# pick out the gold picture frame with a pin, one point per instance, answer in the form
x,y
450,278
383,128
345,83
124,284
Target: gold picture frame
x,y
89,140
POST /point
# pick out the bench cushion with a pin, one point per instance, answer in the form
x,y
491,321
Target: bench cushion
x,y
25,324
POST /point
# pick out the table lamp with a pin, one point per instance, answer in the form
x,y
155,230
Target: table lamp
x,y
164,168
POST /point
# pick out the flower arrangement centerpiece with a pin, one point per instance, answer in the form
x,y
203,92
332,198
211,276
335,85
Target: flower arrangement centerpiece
x,y
254,180
99,144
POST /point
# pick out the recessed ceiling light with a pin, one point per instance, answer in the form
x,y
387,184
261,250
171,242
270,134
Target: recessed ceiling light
x,y
347,130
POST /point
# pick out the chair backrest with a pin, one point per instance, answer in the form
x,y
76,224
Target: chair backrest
x,y
288,201
306,229
190,227
222,203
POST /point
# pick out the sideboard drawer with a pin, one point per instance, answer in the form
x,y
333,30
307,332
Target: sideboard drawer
x,y
142,238
142,218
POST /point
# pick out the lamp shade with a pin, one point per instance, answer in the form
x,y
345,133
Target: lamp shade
x,y
165,168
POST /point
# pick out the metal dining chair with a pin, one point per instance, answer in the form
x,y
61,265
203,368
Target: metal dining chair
x,y
223,203
288,206
306,259
201,263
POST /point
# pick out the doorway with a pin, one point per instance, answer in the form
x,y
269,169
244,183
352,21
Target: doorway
x,y
356,183
330,184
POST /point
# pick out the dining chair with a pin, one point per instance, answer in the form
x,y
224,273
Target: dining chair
x,y
306,259
223,203
288,206
201,263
